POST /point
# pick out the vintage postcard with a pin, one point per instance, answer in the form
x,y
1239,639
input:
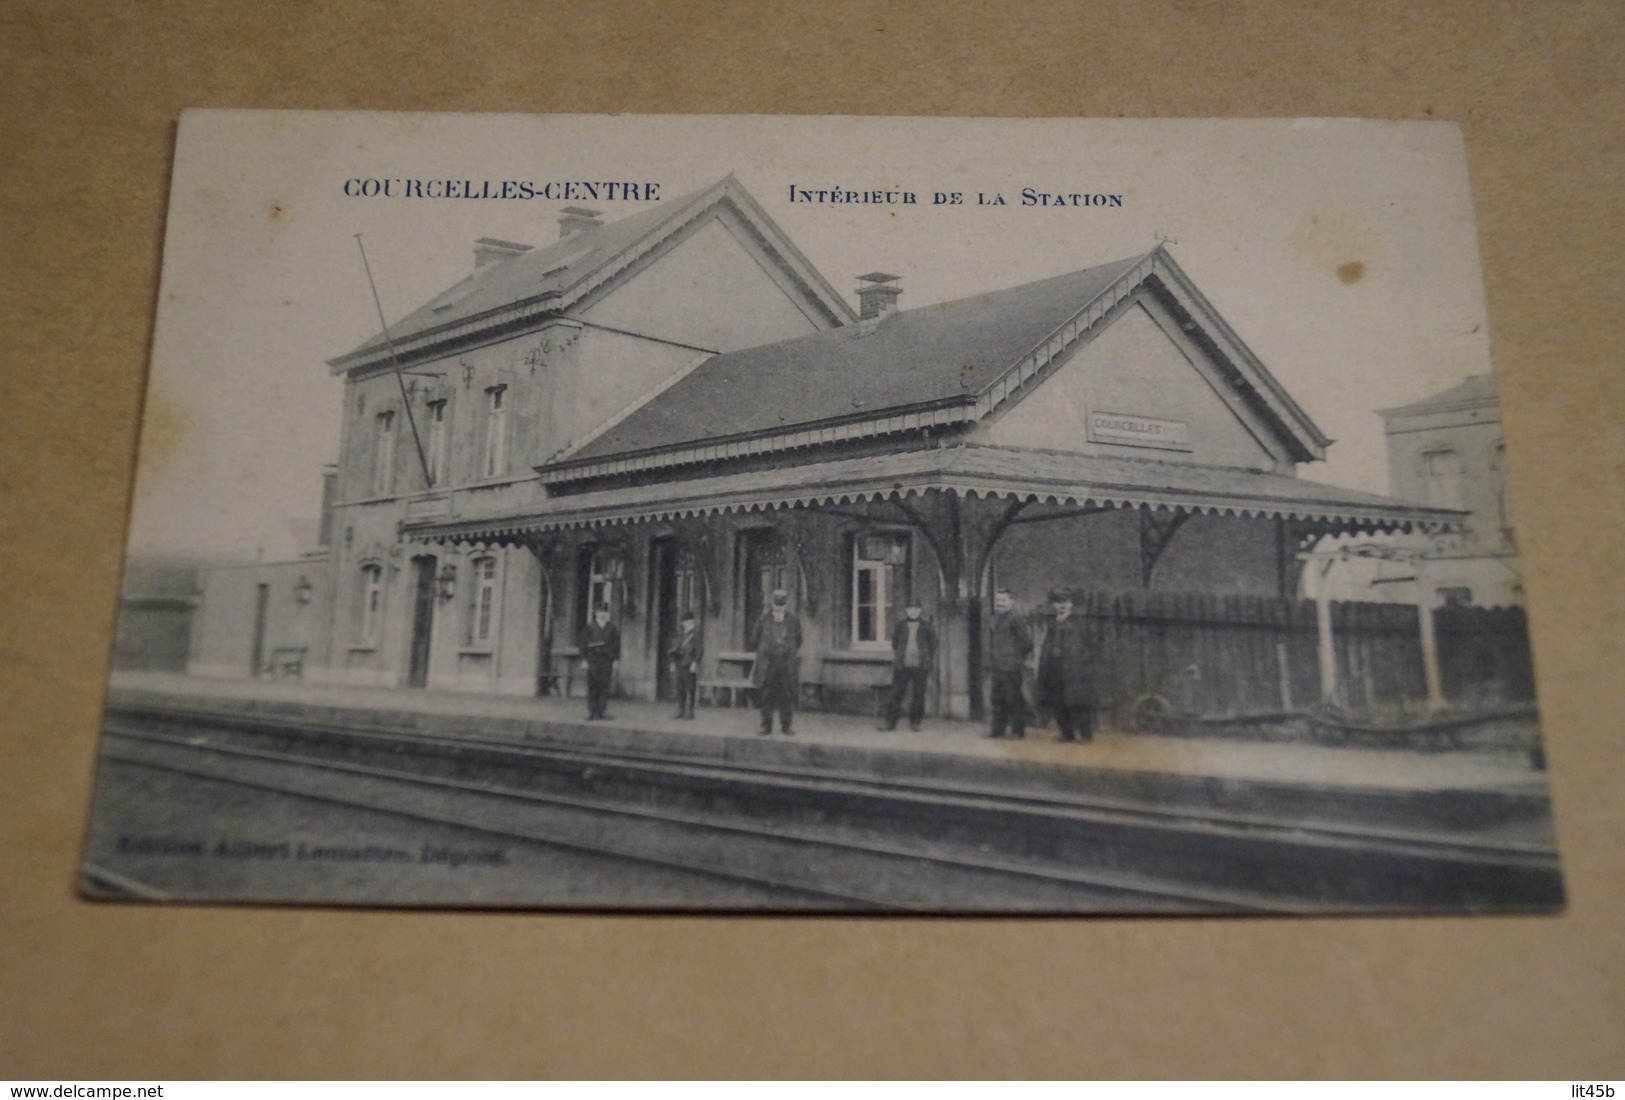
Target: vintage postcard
x,y
804,514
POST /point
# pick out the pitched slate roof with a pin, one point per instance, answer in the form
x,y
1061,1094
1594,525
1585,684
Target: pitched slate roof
x,y
946,364
1477,389
1040,476
548,277
529,276
940,354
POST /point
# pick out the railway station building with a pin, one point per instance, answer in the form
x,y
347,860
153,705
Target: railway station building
x,y
676,411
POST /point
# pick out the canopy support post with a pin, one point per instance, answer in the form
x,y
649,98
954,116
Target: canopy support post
x,y
1326,644
1430,639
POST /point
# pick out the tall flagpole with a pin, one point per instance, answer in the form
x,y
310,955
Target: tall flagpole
x,y
406,400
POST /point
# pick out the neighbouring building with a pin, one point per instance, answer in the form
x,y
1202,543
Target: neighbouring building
x,y
676,411
158,600
1447,450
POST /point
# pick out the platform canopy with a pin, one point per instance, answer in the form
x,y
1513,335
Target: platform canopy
x,y
966,472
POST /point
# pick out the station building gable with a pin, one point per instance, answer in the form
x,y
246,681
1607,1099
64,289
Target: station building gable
x,y
1137,390
715,290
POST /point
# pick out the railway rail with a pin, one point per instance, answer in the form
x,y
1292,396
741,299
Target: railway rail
x,y
839,840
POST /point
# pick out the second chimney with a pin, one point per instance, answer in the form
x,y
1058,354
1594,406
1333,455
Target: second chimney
x,y
489,250
577,220
877,297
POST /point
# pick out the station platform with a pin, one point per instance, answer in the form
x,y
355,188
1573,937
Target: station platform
x,y
941,747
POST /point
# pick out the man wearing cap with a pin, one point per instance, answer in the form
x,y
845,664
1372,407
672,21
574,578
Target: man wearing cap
x,y
1065,676
1010,643
685,654
601,647
776,673
913,655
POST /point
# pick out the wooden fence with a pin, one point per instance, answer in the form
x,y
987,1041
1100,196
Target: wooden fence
x,y
1223,656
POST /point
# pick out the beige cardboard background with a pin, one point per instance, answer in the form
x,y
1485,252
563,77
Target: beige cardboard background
x,y
88,96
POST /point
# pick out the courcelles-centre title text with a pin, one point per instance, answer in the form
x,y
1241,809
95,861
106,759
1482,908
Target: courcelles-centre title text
x,y
399,187
551,190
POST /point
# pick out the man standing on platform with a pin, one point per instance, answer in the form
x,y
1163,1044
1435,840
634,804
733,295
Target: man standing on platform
x,y
776,673
601,647
686,652
914,654
1065,679
1010,644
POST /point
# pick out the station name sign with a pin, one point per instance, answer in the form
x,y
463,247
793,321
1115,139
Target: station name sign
x,y
1126,429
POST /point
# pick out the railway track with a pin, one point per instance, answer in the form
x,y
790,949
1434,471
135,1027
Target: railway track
x,y
807,868
841,840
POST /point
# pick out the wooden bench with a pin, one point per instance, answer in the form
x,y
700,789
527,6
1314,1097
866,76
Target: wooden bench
x,y
288,662
733,677
564,668
710,691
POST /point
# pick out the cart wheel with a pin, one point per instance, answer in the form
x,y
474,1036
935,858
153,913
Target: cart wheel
x,y
1152,714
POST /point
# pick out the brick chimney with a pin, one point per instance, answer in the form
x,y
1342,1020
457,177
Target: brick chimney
x,y
489,250
877,297
577,220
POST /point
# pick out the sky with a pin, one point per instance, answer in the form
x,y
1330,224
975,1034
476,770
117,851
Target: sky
x,y
1342,252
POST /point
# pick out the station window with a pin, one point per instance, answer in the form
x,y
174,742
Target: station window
x,y
765,568
601,580
1455,596
437,442
370,615
687,584
383,453
496,432
1498,462
880,575
483,603
1441,478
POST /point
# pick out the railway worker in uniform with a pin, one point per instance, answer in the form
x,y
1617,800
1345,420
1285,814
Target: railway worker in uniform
x,y
913,655
685,654
1010,643
601,647
776,673
1065,676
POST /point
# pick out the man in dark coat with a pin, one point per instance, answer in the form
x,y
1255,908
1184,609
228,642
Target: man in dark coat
x,y
685,655
913,655
1066,673
776,673
1010,643
601,647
